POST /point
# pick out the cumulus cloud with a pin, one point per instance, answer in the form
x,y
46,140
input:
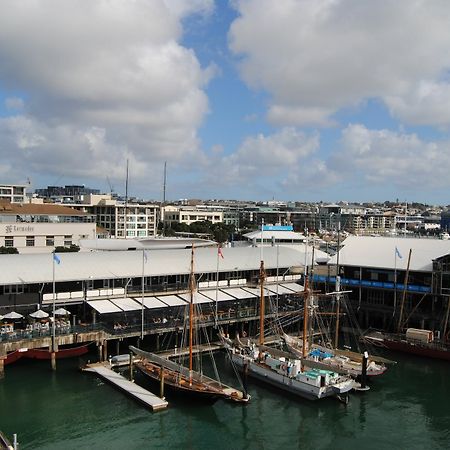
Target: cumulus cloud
x,y
317,56
102,81
260,160
379,157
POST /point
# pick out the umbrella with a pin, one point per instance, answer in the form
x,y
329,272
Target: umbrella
x,y
13,315
39,314
61,312
1,317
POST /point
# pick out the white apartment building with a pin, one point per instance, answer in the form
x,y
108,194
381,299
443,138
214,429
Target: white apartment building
x,y
39,228
131,221
13,193
185,214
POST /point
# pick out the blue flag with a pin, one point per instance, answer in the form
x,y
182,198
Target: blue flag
x,y
145,255
56,258
397,253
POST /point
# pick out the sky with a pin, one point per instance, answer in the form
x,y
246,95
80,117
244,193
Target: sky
x,y
304,100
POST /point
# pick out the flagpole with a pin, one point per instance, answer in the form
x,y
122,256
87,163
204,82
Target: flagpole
x,y
217,284
53,306
395,281
142,299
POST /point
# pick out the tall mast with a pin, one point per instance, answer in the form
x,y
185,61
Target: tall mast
x,y
191,312
305,317
164,182
405,287
338,288
262,276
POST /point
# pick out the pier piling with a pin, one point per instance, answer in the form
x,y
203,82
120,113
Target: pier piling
x,y
131,366
2,367
161,386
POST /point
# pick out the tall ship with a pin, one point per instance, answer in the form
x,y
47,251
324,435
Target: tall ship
x,y
284,371
186,380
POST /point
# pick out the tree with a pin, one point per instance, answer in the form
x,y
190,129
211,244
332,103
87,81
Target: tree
x,y
8,250
73,248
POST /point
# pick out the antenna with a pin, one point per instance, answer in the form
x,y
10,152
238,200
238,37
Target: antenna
x,y
126,202
164,182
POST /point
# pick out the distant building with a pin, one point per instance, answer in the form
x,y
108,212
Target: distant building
x,y
13,193
39,228
67,194
188,215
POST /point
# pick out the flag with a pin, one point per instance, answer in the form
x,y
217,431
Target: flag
x,y
397,253
219,252
56,258
145,255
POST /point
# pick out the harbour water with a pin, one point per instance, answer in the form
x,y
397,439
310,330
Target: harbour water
x,y
406,408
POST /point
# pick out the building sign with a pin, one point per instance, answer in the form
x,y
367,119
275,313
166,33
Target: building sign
x,y
278,228
9,229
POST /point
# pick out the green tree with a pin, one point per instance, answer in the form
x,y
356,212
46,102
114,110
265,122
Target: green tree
x,y
8,250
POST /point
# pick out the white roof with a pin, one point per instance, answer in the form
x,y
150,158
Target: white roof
x,y
293,287
151,302
281,289
379,252
37,268
104,306
126,304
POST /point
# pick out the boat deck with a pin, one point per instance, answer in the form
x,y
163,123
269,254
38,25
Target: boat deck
x,y
132,389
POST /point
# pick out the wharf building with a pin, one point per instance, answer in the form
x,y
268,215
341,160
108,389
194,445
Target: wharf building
x,y
13,193
132,294
39,228
374,270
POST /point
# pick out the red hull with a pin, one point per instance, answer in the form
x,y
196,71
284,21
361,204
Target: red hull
x,y
40,353
13,357
415,349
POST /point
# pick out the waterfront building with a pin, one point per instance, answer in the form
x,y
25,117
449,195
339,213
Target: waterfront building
x,y
189,214
374,269
272,235
39,228
66,194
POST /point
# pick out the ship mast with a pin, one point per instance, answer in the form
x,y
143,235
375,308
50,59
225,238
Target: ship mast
x,y
191,312
405,284
262,276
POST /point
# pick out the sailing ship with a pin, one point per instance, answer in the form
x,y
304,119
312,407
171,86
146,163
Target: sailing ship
x,y
185,380
282,370
414,340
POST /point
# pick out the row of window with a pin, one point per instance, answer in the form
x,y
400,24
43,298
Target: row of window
x,y
30,241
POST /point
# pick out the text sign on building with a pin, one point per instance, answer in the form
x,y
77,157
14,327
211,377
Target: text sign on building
x,y
278,228
19,229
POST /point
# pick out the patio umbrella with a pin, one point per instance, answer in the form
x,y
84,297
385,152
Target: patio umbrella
x,y
1,317
13,315
61,312
39,314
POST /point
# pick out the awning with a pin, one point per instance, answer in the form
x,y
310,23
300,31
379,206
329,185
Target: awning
x,y
126,304
281,289
220,295
151,302
104,306
172,300
240,294
293,287
198,298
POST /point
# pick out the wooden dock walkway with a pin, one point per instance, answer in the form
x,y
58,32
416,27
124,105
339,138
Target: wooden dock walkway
x,y
132,389
203,348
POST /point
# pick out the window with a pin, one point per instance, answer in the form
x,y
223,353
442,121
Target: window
x,y
67,241
50,241
30,241
9,242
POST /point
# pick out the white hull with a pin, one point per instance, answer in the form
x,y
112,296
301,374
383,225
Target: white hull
x,y
290,384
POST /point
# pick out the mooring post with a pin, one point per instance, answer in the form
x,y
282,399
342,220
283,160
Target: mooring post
x,y
105,350
131,366
53,356
364,370
100,351
161,386
2,367
245,380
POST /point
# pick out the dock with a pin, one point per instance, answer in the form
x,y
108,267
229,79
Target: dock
x,y
133,390
202,348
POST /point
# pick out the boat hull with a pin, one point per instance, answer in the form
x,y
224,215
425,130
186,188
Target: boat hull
x,y
407,347
12,357
69,352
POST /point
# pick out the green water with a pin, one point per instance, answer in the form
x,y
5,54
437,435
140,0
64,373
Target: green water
x,y
407,408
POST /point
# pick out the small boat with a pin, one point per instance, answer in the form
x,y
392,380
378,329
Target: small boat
x,y
182,380
415,341
63,352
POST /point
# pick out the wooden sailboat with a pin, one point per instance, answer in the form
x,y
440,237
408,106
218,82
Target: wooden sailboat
x,y
182,379
413,340
280,369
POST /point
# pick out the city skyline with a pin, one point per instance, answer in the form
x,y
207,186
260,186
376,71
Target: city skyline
x,y
290,100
